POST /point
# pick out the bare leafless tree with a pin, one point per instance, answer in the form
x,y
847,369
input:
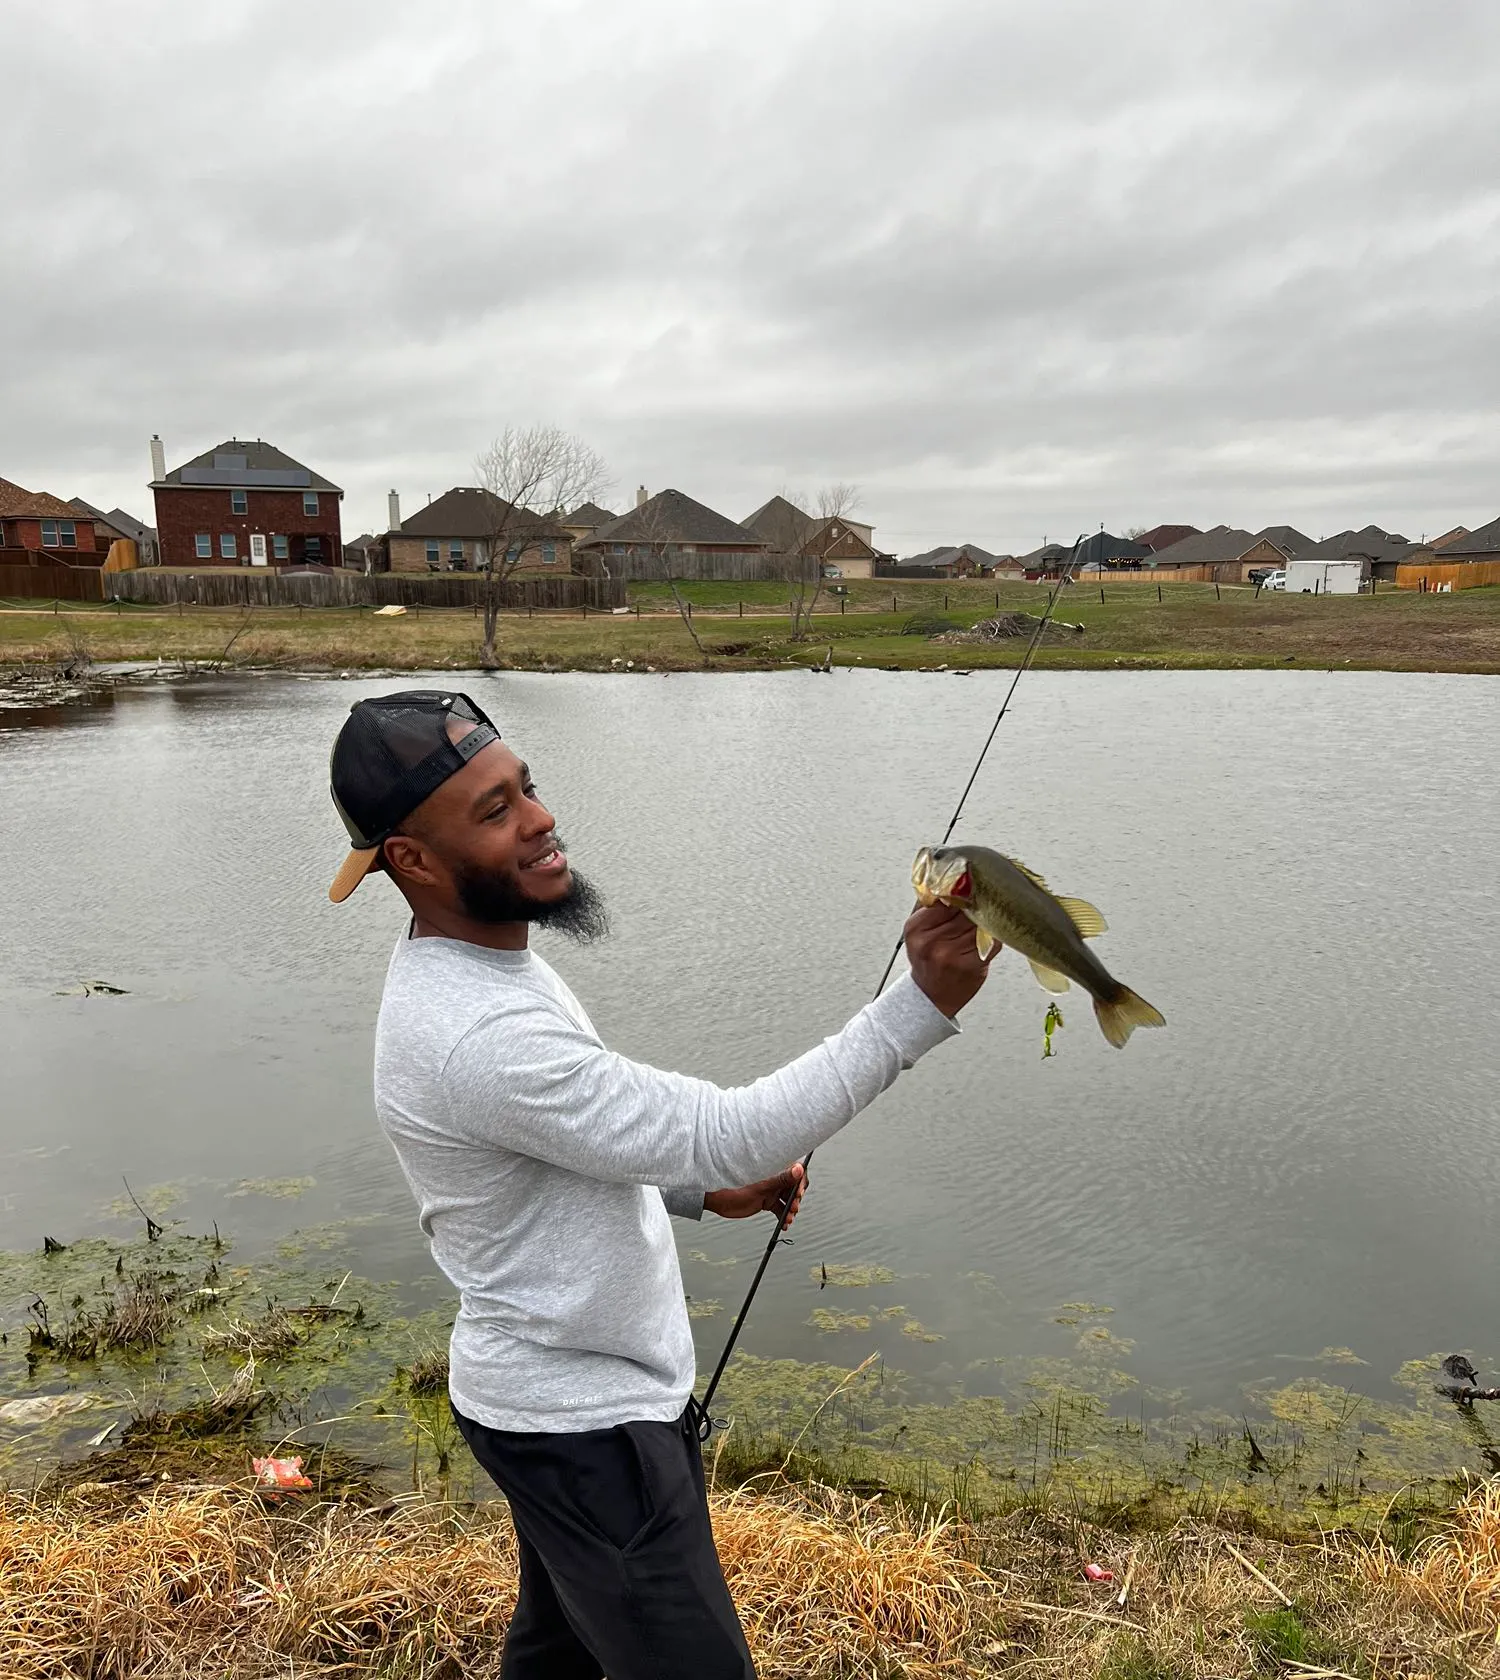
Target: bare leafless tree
x,y
652,525
533,475
794,532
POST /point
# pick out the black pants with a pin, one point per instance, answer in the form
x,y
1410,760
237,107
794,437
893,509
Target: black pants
x,y
619,1575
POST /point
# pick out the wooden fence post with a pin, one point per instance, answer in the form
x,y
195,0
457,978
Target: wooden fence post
x,y
1101,594
1158,594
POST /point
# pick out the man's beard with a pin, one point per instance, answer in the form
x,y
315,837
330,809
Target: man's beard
x,y
492,899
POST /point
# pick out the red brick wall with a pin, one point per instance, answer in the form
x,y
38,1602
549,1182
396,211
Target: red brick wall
x,y
27,533
182,514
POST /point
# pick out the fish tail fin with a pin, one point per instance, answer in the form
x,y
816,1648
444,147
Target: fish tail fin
x,y
1121,1014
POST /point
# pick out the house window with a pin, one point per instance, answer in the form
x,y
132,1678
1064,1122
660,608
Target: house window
x,y
239,502
455,555
310,503
278,546
617,548
549,554
434,554
59,533
312,549
228,545
203,546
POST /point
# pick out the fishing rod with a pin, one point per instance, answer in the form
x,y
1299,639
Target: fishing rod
x,y
704,1421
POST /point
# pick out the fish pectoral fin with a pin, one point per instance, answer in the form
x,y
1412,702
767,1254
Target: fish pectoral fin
x,y
986,942
1030,874
1048,978
1084,916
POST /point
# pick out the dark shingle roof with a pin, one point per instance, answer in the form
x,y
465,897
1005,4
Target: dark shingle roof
x,y
779,519
1163,536
1486,540
947,555
469,511
253,465
1048,554
671,517
1209,548
1287,538
590,514
1369,544
1104,546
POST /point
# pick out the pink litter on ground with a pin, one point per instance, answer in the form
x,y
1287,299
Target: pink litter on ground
x,y
279,1472
1091,1570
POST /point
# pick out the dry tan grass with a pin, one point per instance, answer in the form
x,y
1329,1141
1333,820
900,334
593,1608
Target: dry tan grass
x,y
210,1580
1456,1573
183,1579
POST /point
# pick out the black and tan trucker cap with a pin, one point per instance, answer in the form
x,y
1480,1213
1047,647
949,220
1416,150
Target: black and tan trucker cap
x,y
392,753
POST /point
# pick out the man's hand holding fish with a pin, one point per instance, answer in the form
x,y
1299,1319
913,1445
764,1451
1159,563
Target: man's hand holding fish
x,y
945,960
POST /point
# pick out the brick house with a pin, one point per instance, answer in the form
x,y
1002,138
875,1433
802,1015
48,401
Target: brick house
x,y
669,530
585,519
1231,554
464,526
962,560
841,546
38,530
244,504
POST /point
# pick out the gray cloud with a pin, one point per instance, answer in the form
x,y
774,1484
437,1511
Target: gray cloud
x,y
1018,270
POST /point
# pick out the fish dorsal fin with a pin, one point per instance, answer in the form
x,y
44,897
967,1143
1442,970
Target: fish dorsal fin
x,y
1084,917
1048,978
1030,874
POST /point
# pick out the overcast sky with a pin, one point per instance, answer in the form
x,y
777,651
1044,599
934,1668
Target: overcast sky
x,y
1015,269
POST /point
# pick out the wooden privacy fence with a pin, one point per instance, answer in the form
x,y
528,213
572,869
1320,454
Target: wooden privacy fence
x,y
51,583
352,589
702,567
1457,574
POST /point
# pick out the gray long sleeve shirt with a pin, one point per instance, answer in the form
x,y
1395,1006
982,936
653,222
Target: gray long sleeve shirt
x,y
534,1154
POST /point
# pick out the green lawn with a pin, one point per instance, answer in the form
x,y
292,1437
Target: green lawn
x,y
1189,626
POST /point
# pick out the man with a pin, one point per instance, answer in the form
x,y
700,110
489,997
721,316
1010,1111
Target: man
x,y
544,1167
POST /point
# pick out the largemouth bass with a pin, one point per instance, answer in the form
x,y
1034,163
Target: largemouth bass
x,y
1010,905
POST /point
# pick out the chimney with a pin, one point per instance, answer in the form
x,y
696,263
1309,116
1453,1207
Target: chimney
x,y
640,496
158,459
393,510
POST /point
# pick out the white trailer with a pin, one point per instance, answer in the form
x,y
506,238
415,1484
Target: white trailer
x,y
1326,577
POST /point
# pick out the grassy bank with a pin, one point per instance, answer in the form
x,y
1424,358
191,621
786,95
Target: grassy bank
x,y
1312,1531
743,627
217,1577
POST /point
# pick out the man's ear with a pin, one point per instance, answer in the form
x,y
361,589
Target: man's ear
x,y
407,859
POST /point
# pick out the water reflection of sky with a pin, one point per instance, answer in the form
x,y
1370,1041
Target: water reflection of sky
x,y
1298,869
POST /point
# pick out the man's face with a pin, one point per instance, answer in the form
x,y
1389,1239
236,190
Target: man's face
x,y
494,851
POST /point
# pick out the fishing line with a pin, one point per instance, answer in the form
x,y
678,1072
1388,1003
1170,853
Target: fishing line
x,y
699,1408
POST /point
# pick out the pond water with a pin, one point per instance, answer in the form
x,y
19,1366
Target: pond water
x,y
1298,869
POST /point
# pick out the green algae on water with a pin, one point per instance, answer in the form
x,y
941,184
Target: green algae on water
x,y
829,1320
852,1277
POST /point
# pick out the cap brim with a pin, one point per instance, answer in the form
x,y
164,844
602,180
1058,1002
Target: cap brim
x,y
352,871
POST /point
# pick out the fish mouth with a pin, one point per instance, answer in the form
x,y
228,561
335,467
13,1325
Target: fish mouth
x,y
950,882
